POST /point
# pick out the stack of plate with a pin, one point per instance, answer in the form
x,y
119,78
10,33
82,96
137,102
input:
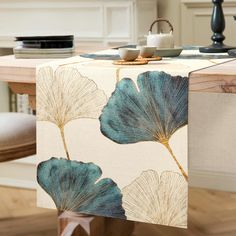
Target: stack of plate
x,y
44,47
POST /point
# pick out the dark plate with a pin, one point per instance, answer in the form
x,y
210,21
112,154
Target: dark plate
x,y
232,52
53,37
48,44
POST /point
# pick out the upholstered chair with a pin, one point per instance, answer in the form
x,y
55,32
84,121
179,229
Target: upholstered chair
x,y
17,136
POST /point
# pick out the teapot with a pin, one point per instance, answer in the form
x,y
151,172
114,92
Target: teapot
x,y
161,40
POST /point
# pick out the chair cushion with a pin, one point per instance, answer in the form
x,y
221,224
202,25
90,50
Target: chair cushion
x,y
17,136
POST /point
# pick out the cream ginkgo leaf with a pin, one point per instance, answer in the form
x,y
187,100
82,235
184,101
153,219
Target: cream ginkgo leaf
x,y
157,199
66,95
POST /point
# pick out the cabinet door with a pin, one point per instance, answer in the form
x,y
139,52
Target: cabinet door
x,y
83,18
118,21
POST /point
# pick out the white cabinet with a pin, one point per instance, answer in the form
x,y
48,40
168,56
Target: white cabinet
x,y
196,18
101,21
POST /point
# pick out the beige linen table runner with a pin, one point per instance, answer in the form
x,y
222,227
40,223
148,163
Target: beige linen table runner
x,y
112,140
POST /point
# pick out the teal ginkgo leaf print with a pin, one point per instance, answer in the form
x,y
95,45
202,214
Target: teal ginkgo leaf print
x,y
76,186
151,111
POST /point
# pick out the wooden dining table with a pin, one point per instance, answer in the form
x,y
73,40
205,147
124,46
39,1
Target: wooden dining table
x,y
20,74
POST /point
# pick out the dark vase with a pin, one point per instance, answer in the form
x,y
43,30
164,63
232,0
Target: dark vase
x,y
218,27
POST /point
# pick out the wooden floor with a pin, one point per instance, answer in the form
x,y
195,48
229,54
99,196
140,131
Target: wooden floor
x,y
211,213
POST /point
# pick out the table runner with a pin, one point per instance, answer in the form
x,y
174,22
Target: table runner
x,y
112,140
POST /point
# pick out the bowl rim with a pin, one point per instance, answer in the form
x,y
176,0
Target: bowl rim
x,y
129,49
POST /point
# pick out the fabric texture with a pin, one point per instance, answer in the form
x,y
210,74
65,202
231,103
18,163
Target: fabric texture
x,y
131,122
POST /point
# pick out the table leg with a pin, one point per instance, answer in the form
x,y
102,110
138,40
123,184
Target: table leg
x,y
75,225
117,227
99,226
32,102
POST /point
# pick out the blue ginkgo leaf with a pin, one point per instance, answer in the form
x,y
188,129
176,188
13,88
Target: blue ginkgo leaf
x,y
151,111
77,187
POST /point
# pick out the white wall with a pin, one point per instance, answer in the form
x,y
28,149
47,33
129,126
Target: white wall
x,y
4,97
170,9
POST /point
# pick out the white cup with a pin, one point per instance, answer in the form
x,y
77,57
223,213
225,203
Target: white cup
x,y
129,54
147,51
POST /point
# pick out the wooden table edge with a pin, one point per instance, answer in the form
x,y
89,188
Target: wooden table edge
x,y
206,80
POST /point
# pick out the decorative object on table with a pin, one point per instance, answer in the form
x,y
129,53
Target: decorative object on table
x,y
134,56
130,63
129,54
218,27
46,42
44,47
95,56
147,51
117,59
233,51
111,121
149,59
161,40
169,52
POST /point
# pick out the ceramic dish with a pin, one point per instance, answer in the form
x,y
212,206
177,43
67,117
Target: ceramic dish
x,y
168,52
146,51
129,54
232,52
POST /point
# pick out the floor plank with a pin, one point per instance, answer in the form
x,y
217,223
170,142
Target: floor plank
x,y
211,213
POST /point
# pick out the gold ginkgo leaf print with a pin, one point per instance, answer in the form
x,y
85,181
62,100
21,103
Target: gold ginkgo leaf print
x,y
66,95
157,199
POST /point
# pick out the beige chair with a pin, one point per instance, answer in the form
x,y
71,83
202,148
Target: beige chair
x,y
17,136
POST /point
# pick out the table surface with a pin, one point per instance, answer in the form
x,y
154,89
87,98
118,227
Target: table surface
x,y
23,71
21,74
19,70
220,78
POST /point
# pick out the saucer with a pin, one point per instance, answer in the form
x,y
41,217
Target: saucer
x,y
154,58
168,52
136,62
